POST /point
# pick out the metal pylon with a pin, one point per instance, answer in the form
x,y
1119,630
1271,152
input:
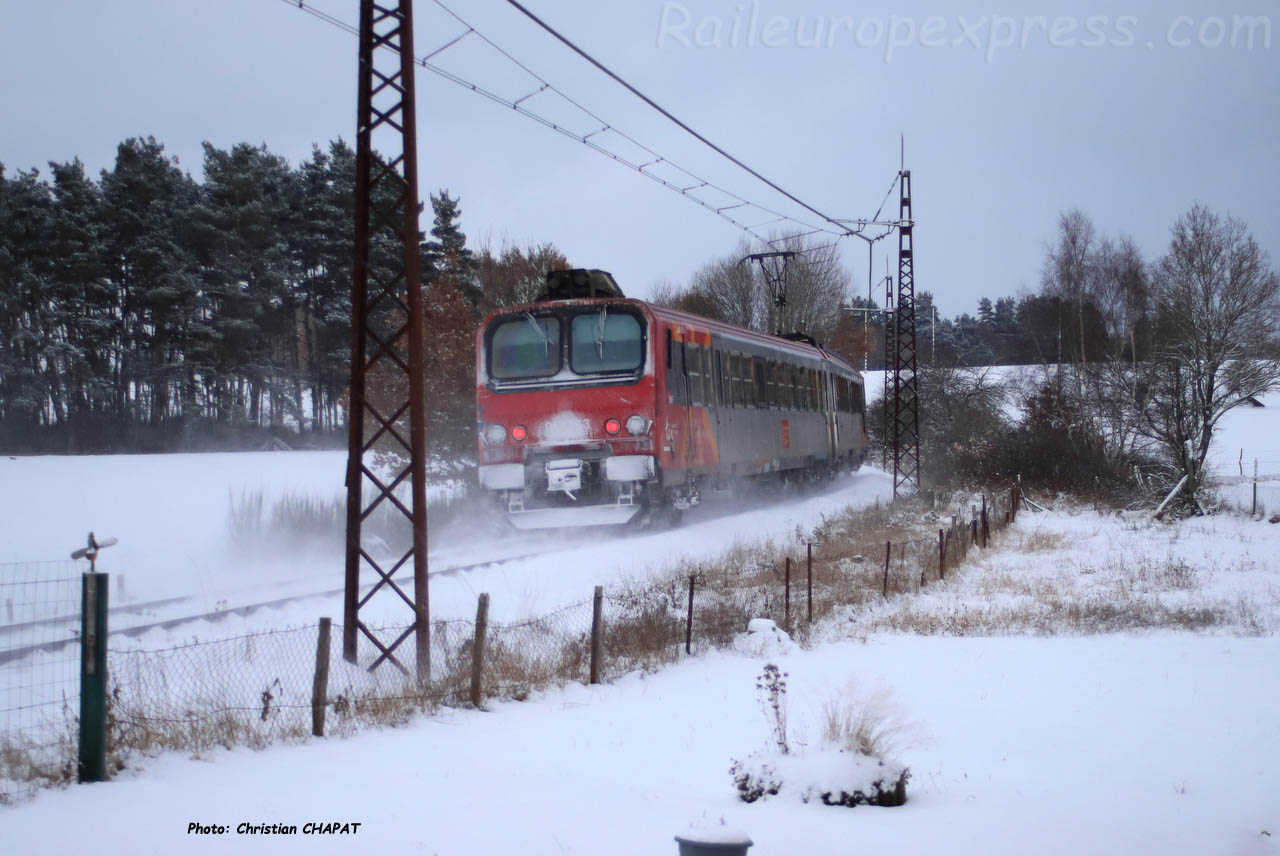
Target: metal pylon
x,y
387,331
906,408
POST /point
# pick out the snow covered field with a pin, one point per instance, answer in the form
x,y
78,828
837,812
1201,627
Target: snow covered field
x,y
1042,737
1031,730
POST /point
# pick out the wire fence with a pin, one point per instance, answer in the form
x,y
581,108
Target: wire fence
x,y
40,690
284,685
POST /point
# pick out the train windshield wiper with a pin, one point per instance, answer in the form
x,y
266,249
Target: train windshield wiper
x,y
546,340
604,313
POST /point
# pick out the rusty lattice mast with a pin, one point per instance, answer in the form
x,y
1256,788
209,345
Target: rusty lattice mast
x,y
906,406
387,332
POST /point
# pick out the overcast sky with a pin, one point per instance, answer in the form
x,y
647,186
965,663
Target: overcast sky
x,y
1010,116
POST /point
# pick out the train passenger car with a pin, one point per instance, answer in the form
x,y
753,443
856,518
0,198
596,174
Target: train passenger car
x,y
594,408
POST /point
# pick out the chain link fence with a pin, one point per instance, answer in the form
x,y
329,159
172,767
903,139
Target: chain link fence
x,y
40,689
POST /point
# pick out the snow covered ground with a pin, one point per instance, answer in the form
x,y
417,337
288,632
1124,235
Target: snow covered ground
x,y
1159,743
1029,729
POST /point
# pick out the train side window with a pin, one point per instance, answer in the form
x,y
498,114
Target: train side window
x,y
726,381
675,375
748,382
727,378
693,366
708,376
735,378
718,378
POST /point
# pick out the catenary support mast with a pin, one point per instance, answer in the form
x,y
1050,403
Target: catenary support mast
x,y
906,408
387,337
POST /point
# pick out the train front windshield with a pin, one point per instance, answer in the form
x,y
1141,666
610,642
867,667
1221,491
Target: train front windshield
x,y
566,345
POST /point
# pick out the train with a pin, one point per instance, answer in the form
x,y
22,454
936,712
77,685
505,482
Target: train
x,y
598,409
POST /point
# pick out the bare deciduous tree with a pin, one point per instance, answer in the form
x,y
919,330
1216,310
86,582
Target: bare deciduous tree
x,y
511,275
1218,319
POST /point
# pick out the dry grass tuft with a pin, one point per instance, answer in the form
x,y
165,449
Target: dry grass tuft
x,y
869,724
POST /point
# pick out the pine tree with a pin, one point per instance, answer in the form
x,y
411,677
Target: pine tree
x,y
84,306
148,206
447,252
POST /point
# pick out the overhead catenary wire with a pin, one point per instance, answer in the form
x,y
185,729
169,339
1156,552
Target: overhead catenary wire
x,y
646,99
687,190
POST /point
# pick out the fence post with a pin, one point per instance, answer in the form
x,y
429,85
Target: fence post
x,y
597,603
786,615
986,527
888,551
1254,510
477,651
946,548
93,678
809,572
320,686
688,626
942,554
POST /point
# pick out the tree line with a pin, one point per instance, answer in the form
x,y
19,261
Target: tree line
x,y
144,310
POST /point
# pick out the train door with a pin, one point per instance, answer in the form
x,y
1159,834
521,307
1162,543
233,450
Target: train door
x,y
681,433
829,408
690,430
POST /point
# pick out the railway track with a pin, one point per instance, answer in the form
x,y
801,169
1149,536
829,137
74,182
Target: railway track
x,y
135,630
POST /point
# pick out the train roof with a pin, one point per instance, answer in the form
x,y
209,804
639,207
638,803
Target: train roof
x,y
679,316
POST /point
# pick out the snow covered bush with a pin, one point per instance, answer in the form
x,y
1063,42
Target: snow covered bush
x,y
848,768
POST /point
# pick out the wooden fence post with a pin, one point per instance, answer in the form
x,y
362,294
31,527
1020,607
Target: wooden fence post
x,y
597,604
320,685
942,554
477,651
688,627
786,608
810,578
986,527
888,551
947,548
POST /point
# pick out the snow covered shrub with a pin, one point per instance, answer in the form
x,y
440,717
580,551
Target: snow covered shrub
x,y
754,779
849,768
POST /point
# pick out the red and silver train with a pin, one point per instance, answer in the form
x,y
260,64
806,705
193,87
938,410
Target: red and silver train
x,y
597,409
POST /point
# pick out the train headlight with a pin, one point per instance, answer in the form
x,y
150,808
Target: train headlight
x,y
519,433
495,434
612,426
637,425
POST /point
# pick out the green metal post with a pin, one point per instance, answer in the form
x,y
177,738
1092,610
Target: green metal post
x,y
93,679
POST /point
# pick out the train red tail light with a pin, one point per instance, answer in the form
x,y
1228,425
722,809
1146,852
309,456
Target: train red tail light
x,y
519,433
612,426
